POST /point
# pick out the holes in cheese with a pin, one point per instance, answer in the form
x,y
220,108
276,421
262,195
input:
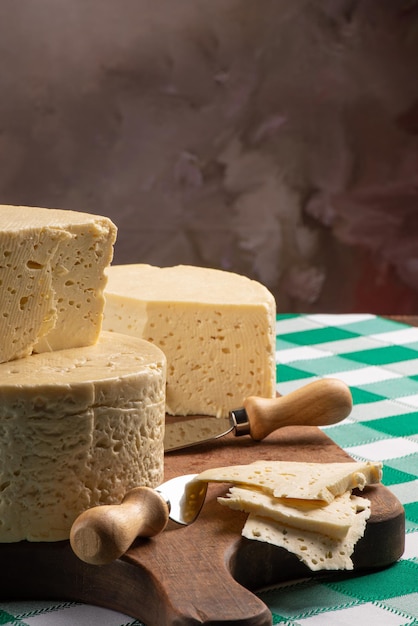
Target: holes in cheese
x,y
216,328
78,428
306,508
317,550
333,520
52,278
298,480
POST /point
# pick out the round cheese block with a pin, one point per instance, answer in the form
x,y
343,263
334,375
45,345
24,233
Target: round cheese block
x,y
216,328
78,428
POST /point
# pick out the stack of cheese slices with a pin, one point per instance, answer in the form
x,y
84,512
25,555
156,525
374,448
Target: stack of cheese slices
x,y
306,508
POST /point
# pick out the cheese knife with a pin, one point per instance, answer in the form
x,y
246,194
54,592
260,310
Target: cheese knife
x,y
320,403
103,533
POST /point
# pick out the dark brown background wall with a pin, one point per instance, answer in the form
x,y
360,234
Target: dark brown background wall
x,y
278,139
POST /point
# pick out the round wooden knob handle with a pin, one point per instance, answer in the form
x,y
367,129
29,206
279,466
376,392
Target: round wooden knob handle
x,y
103,533
321,403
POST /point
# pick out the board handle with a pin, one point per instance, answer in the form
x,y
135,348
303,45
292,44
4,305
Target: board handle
x,y
103,533
320,403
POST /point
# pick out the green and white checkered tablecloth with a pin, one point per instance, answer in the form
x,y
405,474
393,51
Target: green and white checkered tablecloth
x,y
378,359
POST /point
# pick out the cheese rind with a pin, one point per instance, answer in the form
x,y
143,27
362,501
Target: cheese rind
x,y
78,428
216,328
317,550
52,265
297,480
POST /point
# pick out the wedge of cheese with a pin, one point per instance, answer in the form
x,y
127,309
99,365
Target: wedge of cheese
x,y
216,328
317,550
52,278
333,519
297,480
78,428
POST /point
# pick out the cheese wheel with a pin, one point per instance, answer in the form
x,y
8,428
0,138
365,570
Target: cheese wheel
x,y
78,428
52,278
216,328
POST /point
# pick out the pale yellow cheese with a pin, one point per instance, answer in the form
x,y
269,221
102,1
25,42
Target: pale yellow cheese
x,y
78,428
52,265
333,519
316,549
216,328
299,480
306,508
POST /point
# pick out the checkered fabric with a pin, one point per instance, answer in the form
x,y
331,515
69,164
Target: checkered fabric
x,y
378,359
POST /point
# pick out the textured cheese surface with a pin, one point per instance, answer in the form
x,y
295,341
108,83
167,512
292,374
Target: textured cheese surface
x,y
333,519
52,265
317,550
78,427
298,480
216,328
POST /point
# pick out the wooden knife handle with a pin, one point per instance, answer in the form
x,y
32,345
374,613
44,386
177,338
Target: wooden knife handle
x,y
103,533
323,402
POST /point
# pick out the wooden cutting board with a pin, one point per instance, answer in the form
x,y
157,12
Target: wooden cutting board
x,y
205,573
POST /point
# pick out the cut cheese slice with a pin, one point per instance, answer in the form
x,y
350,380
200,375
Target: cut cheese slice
x,y
78,428
216,328
298,480
333,519
317,550
52,278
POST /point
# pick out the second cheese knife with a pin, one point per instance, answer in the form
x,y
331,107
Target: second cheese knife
x,y
320,403
103,533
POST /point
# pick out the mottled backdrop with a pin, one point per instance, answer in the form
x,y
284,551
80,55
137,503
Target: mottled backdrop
x,y
275,138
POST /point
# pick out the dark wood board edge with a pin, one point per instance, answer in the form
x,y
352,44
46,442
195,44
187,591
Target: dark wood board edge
x,y
411,320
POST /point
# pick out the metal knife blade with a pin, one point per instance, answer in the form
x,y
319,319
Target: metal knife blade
x,y
183,432
320,403
103,533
